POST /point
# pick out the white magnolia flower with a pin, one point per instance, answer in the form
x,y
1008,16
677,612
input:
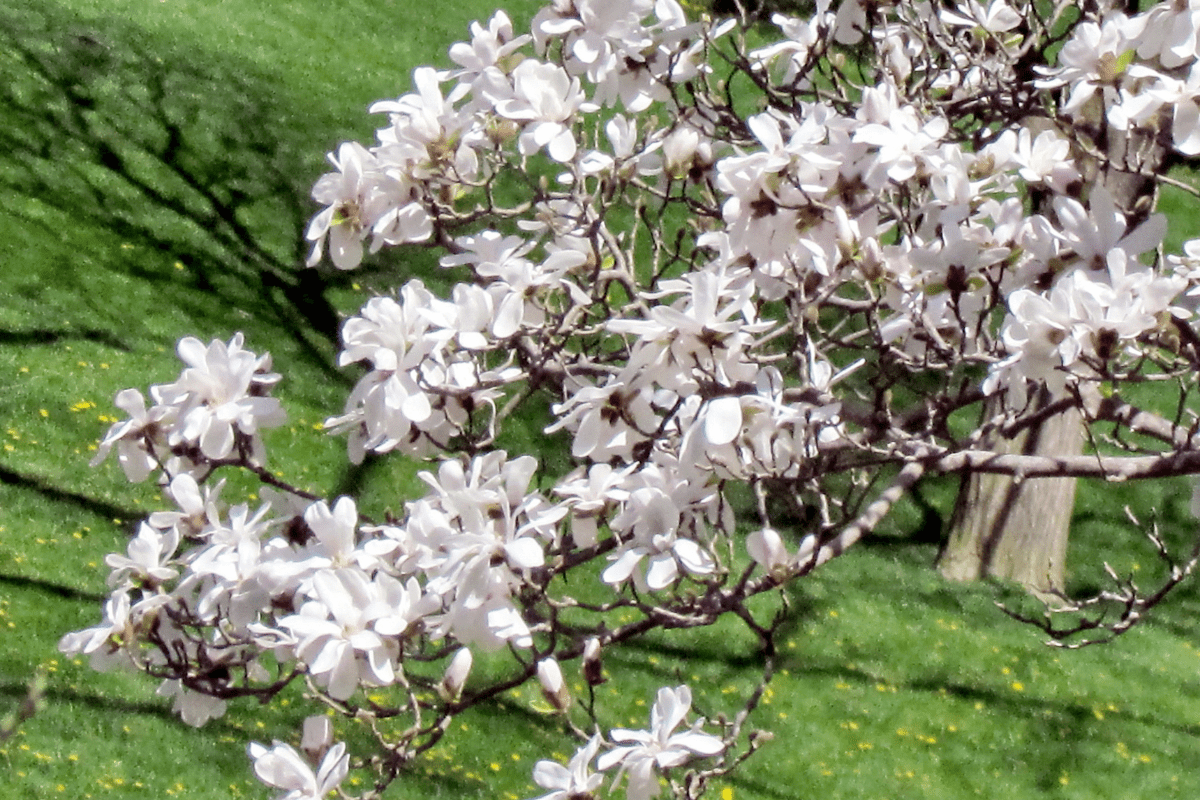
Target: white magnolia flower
x,y
106,642
348,634
1039,336
1097,234
347,194
589,496
141,439
626,159
317,737
1093,59
281,767
800,37
194,708
905,141
684,149
489,47
335,532
608,421
222,394
767,549
1045,158
659,748
198,508
655,522
544,98
148,563
575,780
997,17
455,677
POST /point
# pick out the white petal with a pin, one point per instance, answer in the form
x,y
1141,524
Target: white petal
x,y
694,559
551,775
723,420
662,572
562,146
416,407
525,553
509,315
620,570
702,744
334,768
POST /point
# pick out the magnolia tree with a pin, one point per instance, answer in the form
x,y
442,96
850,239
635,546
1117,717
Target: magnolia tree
x,y
762,289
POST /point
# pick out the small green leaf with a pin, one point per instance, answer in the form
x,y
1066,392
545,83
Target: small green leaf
x,y
1124,60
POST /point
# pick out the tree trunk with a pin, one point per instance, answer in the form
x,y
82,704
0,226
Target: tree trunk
x,y
1017,529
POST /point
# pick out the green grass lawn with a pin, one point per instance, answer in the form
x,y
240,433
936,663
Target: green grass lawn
x,y
893,684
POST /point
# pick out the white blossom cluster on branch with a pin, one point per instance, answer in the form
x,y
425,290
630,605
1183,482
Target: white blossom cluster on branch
x,y
733,279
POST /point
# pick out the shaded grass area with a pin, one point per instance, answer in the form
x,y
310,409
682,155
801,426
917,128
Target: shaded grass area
x,y
158,158
166,169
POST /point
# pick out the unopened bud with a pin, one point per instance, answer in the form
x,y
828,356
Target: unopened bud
x,y
766,547
759,738
593,670
318,735
455,678
554,688
502,131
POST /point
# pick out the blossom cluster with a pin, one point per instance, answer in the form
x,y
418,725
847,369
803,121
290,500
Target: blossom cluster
x,y
426,385
706,310
215,408
808,200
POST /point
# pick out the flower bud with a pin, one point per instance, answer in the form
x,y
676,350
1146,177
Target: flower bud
x,y
767,549
318,735
554,688
807,550
502,131
593,670
455,678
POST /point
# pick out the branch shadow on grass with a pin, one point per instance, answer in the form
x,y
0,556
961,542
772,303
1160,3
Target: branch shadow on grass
x,y
135,160
108,704
111,140
47,336
50,588
58,495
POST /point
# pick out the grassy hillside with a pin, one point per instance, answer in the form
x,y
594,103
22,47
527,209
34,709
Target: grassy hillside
x,y
156,162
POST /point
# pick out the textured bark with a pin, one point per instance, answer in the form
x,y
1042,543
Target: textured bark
x,y
1016,529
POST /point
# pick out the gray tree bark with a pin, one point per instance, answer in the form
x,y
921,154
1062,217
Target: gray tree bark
x,y
1017,529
